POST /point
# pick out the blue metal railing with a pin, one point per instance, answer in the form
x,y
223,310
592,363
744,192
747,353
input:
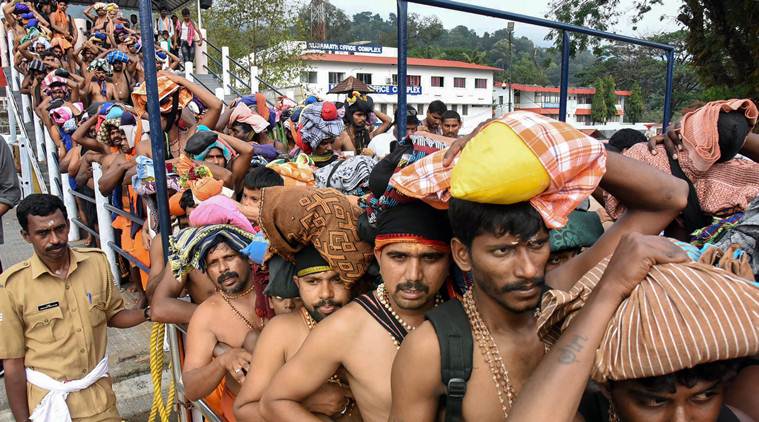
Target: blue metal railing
x,y
566,29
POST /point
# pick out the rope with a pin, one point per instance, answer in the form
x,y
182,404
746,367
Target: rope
x,y
159,408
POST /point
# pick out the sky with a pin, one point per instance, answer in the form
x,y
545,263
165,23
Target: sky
x,y
651,23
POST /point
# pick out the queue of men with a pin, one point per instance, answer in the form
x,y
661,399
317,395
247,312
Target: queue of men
x,y
328,270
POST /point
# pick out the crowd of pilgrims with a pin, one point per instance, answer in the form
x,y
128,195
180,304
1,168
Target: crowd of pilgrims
x,y
524,271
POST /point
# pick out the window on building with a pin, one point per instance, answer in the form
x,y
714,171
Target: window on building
x,y
619,100
383,108
500,100
411,80
584,119
336,77
419,110
437,81
308,77
584,99
480,83
364,77
459,82
464,109
455,108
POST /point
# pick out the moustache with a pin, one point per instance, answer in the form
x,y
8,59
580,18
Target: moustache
x,y
412,285
55,247
523,285
225,276
327,302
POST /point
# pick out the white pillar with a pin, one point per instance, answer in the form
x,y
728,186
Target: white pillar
x,y
3,46
53,172
11,51
225,78
188,71
71,208
39,138
26,167
11,116
25,106
201,61
254,79
105,230
219,92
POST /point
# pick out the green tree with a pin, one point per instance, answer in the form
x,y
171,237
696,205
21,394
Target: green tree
x,y
599,112
634,105
610,98
720,36
252,29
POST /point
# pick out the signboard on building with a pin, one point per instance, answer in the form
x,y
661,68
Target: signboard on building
x,y
344,48
391,89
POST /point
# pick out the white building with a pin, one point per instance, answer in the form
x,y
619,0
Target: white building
x,y
545,100
464,87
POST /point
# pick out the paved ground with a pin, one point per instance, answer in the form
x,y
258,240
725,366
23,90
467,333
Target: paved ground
x,y
127,349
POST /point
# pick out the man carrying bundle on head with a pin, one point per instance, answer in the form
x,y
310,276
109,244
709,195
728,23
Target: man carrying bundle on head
x,y
358,128
477,354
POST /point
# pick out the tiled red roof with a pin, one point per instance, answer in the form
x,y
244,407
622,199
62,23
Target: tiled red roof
x,y
579,90
412,61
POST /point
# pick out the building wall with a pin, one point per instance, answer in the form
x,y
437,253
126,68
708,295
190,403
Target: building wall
x,y
548,104
473,104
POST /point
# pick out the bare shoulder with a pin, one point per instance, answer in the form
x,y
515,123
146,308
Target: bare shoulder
x,y
208,309
285,322
422,343
346,321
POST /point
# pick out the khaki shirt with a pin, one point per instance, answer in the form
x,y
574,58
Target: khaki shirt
x,y
59,325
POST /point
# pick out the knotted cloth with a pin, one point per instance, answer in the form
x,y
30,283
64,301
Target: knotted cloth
x,y
680,316
294,216
575,164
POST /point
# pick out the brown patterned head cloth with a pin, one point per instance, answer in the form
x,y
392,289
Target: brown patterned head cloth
x,y
294,216
680,316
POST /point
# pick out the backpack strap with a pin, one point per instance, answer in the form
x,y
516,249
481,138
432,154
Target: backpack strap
x,y
454,335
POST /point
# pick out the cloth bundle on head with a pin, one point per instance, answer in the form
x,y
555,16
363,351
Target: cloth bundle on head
x,y
61,115
556,168
408,151
206,187
99,6
201,143
20,8
261,107
104,132
102,65
166,89
175,208
314,127
219,210
41,41
350,176
188,248
746,234
295,173
117,56
281,282
37,65
701,135
112,7
52,80
61,42
679,316
358,102
291,217
582,230
242,114
413,222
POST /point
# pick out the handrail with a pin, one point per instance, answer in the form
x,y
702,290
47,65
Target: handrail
x,y
82,196
129,257
129,216
211,72
213,46
85,228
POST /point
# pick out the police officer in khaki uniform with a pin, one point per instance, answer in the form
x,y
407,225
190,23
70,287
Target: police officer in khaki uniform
x,y
54,311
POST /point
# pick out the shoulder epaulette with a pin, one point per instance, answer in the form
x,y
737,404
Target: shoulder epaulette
x,y
6,276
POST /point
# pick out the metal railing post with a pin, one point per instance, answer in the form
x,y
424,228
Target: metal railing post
x,y
402,66
254,88
26,165
564,90
668,90
188,71
53,173
25,105
11,52
225,79
105,229
11,117
71,209
176,370
39,138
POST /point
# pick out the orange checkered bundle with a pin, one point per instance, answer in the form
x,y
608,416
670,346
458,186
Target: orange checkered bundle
x,y
574,162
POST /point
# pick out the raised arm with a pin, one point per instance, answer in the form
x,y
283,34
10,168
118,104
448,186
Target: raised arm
x,y
113,174
213,104
386,123
561,377
80,136
241,163
164,303
653,199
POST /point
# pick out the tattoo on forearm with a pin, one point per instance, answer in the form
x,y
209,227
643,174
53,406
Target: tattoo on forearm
x,y
569,352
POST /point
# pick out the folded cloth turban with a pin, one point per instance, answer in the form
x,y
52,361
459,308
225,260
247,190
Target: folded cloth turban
x,y
678,317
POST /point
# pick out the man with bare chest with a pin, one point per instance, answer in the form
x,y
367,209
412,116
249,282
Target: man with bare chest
x,y
363,337
122,82
226,317
323,293
97,86
493,330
